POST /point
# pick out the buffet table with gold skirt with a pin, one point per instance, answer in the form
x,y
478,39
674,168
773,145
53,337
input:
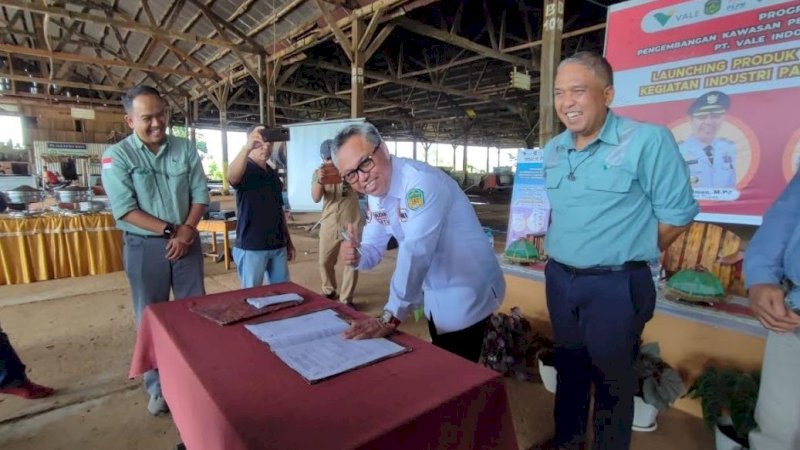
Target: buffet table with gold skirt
x,y
50,246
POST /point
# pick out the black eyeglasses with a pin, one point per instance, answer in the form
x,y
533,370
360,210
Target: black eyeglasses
x,y
364,166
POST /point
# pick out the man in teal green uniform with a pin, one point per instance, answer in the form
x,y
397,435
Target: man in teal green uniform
x,y
619,192
158,194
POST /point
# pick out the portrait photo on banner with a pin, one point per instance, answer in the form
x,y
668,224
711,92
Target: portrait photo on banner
x,y
719,79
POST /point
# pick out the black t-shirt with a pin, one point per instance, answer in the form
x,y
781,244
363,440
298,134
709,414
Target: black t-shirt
x,y
259,202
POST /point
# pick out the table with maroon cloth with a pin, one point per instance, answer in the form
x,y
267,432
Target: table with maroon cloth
x,y
227,390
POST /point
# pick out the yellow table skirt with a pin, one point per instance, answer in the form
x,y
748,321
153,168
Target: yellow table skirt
x,y
54,246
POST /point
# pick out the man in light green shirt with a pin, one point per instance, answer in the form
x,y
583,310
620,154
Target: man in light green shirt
x,y
158,194
619,191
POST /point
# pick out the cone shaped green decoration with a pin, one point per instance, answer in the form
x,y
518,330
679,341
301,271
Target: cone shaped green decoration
x,y
521,251
698,285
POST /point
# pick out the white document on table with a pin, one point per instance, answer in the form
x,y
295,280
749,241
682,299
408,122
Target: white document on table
x,y
312,345
260,302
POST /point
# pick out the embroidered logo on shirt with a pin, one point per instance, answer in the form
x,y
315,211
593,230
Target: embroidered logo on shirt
x,y
415,199
402,213
381,217
107,162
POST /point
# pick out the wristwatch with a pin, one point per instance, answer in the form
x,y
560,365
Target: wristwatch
x,y
169,230
387,318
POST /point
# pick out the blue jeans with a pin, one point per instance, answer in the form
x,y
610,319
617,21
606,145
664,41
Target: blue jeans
x,y
259,267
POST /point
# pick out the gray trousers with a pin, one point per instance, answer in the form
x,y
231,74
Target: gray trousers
x,y
778,407
151,276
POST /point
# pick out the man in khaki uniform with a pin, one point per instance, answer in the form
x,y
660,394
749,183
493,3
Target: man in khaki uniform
x,y
339,207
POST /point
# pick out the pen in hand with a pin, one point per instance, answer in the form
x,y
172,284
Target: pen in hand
x,y
346,237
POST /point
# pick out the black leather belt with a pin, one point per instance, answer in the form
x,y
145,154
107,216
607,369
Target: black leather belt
x,y
146,236
599,270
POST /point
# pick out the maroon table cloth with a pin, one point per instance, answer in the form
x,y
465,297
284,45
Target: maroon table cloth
x,y
227,390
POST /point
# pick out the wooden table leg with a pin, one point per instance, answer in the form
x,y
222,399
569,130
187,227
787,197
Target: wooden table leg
x,y
226,249
213,242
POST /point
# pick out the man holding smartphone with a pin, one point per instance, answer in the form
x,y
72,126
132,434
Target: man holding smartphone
x,y
263,246
772,274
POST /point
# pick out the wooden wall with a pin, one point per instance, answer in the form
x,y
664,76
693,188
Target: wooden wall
x,y
54,122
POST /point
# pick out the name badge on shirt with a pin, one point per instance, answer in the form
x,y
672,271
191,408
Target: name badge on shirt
x,y
692,161
381,217
402,213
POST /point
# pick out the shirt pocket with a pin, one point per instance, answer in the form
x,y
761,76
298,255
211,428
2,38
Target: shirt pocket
x,y
144,184
619,183
178,175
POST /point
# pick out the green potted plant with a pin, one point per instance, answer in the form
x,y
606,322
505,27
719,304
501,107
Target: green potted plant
x,y
728,398
659,386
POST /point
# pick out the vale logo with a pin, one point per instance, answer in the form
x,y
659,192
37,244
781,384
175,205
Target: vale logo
x,y
663,17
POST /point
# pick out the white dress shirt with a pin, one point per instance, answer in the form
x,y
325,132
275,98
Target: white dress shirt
x,y
443,254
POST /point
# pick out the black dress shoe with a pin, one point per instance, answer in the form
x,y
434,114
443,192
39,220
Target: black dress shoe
x,y
333,295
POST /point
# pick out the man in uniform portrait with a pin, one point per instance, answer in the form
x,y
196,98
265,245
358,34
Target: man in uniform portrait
x,y
711,159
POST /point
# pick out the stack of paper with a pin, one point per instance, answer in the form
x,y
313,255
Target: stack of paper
x,y
260,302
312,345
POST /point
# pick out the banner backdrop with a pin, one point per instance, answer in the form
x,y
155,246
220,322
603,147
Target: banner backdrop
x,y
724,76
530,209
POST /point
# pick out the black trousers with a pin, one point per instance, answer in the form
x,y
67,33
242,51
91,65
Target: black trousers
x,y
466,343
597,320
12,371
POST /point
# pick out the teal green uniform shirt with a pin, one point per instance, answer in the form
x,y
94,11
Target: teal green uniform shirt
x,y
626,182
164,185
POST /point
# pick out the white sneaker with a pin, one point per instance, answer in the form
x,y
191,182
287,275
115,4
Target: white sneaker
x,y
157,405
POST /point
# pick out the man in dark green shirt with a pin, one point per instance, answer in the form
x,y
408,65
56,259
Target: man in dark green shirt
x,y
158,194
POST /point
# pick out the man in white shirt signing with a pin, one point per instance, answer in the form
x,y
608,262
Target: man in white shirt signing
x,y
444,261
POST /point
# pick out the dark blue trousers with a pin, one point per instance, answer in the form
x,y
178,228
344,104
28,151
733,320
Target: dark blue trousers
x,y
597,321
12,371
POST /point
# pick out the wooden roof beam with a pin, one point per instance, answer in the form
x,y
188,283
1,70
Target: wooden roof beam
x,y
341,38
61,56
65,83
124,24
421,85
458,41
218,22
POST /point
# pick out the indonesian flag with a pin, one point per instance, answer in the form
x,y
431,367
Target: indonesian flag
x,y
106,162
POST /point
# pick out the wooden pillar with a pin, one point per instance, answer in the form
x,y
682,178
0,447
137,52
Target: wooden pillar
x,y
413,140
270,74
455,146
222,104
223,129
262,72
551,54
195,111
488,165
464,162
187,117
357,71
